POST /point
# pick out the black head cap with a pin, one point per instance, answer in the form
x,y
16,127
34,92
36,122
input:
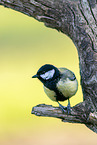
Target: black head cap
x,y
46,73
46,68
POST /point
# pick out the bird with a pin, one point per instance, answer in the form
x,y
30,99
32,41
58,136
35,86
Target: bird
x,y
59,84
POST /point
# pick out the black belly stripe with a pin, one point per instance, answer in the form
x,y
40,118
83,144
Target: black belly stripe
x,y
60,96
52,86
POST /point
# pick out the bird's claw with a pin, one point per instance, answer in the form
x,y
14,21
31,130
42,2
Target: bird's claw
x,y
65,109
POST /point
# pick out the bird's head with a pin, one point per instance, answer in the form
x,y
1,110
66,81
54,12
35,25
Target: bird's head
x,y
47,73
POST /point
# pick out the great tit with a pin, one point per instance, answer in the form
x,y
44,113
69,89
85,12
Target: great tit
x,y
59,84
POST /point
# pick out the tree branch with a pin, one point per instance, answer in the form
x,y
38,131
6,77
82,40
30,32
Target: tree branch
x,y
50,111
76,116
78,20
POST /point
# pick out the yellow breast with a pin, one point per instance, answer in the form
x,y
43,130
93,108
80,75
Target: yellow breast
x,y
67,87
51,94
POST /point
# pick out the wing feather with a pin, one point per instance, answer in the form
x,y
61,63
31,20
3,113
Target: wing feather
x,y
67,84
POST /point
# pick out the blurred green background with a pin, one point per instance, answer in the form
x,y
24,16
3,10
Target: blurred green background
x,y
25,45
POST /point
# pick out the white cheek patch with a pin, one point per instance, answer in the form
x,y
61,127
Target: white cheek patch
x,y
48,75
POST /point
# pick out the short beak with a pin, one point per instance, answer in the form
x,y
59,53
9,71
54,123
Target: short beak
x,y
35,76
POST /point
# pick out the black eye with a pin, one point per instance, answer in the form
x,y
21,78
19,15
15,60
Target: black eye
x,y
43,72
40,72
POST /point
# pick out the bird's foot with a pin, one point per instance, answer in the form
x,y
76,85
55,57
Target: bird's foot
x,y
64,108
68,109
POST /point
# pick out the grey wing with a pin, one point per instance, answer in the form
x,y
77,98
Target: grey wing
x,y
66,73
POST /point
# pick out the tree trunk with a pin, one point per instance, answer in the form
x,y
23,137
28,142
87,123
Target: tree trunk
x,y
78,20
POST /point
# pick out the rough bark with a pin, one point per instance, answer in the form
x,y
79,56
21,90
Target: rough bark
x,y
78,20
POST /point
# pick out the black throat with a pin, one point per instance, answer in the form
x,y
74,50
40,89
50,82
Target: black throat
x,y
51,84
